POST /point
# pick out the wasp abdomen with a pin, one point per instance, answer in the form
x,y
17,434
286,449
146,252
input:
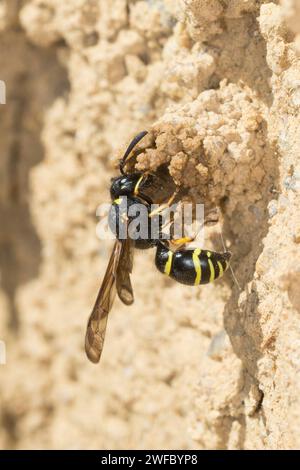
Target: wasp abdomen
x,y
191,267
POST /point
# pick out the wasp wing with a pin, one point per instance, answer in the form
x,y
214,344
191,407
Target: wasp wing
x,y
96,327
124,287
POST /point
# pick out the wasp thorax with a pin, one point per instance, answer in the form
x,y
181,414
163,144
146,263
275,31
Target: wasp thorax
x,y
129,218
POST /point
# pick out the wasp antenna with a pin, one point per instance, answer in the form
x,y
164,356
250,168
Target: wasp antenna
x,y
131,146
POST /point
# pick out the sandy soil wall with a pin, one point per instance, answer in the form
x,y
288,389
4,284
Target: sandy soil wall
x,y
217,84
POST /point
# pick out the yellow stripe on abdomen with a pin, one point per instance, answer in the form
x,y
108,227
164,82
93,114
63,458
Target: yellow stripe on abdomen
x,y
197,266
168,264
221,270
212,270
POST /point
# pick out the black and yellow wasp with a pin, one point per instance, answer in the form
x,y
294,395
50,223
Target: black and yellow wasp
x,y
187,266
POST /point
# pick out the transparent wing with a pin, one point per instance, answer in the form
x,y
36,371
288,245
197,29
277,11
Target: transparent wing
x,y
124,287
96,327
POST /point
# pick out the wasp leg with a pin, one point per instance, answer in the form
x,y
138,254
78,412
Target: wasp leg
x,y
137,191
179,243
164,206
138,184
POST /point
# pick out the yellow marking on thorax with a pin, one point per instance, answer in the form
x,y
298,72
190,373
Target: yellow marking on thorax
x,y
136,188
221,270
168,264
118,201
197,266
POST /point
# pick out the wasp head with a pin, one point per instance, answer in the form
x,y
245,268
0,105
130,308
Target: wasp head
x,y
124,185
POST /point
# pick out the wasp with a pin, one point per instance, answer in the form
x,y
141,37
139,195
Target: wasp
x,y
186,266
